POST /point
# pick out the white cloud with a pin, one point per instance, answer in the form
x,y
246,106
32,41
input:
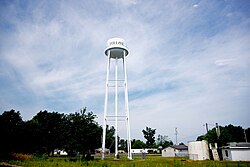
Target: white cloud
x,y
223,62
123,2
195,5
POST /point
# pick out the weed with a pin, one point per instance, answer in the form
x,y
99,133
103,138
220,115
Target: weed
x,y
20,156
155,161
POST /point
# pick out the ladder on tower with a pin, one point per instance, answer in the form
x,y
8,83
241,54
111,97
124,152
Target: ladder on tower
x,y
215,154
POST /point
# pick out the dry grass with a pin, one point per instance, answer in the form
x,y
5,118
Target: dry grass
x,y
20,156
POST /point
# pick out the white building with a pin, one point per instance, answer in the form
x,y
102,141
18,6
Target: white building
x,y
146,150
198,150
175,151
236,152
60,152
137,151
99,151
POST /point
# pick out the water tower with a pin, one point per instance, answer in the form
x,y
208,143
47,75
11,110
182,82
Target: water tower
x,y
116,53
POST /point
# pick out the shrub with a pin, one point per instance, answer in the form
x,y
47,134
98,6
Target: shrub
x,y
20,156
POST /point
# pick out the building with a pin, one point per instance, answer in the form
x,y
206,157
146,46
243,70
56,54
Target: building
x,y
175,151
146,150
198,150
99,151
121,152
236,152
136,151
60,152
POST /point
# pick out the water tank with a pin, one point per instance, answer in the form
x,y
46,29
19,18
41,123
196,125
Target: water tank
x,y
198,150
117,48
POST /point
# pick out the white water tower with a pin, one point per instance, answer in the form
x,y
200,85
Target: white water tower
x,y
116,53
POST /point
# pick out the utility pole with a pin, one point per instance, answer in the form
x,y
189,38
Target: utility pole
x,y
210,151
207,127
176,133
217,127
245,135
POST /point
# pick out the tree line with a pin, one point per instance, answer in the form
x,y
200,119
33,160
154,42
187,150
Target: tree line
x,y
74,132
162,141
222,135
48,131
79,132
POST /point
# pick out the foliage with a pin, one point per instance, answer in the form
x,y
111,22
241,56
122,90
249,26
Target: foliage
x,y
20,156
122,145
110,138
162,141
149,135
50,127
137,144
227,134
247,131
10,130
83,133
47,131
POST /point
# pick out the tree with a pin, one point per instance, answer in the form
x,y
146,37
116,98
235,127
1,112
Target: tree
x,y
149,135
137,144
200,138
10,130
247,131
110,138
163,141
30,137
49,131
123,145
228,134
76,132
83,132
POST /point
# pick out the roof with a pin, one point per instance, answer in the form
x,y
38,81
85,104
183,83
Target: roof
x,y
240,145
180,147
100,149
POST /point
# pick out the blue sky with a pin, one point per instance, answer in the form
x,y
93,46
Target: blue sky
x,y
189,61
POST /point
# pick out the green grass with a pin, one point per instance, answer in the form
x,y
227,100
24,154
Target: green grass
x,y
151,160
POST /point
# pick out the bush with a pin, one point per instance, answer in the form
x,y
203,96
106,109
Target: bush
x,y
20,156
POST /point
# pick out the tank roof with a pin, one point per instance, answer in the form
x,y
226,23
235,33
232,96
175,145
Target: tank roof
x,y
117,48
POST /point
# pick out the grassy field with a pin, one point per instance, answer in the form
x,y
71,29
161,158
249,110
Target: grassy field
x,y
151,160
